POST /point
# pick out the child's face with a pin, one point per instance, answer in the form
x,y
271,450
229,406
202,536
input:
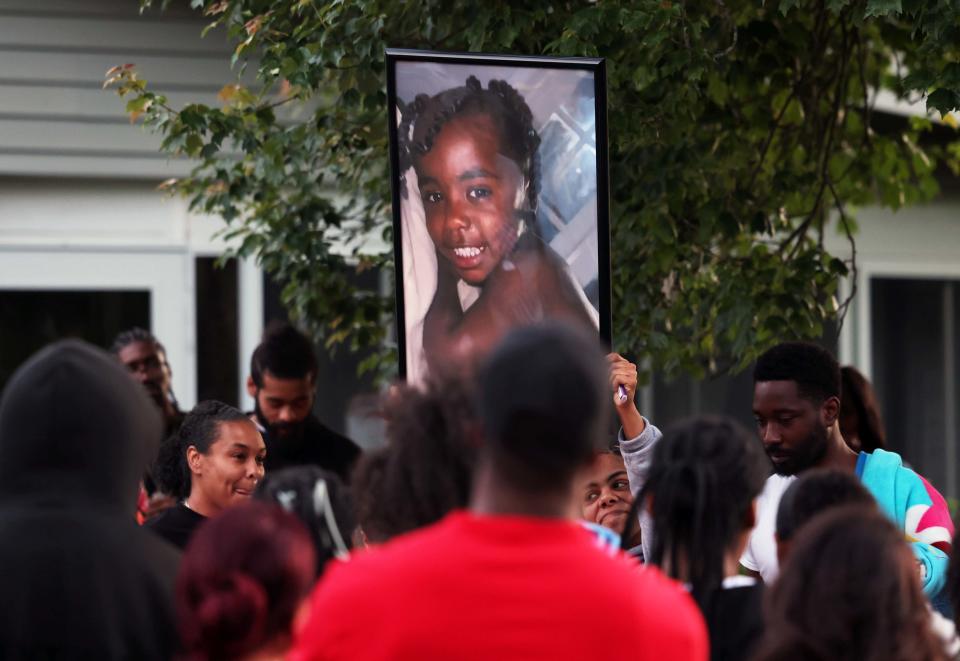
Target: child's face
x,y
469,192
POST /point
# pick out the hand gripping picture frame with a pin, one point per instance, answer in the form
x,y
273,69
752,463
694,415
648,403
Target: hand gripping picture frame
x,y
500,200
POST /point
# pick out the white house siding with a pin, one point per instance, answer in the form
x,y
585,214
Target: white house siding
x,y
55,118
79,209
903,329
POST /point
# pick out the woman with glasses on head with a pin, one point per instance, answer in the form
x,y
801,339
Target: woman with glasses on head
x,y
320,501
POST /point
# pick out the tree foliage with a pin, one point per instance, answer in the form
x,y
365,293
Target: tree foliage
x,y
738,132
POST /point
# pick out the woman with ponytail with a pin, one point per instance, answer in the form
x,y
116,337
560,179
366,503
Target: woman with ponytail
x,y
704,478
243,580
214,462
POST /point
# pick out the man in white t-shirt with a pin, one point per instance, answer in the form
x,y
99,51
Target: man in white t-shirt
x,y
760,556
796,403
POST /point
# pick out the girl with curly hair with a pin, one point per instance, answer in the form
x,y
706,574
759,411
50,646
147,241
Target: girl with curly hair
x,y
473,151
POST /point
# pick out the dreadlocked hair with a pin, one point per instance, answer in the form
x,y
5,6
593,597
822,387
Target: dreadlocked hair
x,y
131,335
424,118
425,470
137,334
704,477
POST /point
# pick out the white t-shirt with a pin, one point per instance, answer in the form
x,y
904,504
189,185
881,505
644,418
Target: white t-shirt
x,y
761,552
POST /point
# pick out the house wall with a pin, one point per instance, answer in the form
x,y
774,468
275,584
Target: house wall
x,y
903,329
79,209
104,234
55,118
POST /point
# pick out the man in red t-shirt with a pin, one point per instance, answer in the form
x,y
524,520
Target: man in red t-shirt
x,y
513,577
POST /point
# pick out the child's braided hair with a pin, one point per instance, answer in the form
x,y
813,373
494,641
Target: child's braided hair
x,y
423,119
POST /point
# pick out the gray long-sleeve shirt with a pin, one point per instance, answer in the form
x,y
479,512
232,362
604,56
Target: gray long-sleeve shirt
x,y
637,455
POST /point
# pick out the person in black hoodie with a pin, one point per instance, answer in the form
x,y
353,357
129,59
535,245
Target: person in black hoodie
x,y
80,579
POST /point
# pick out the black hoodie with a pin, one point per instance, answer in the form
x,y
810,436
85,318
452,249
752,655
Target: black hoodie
x,y
78,578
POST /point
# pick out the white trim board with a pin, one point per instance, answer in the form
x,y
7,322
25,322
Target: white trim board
x,y
879,268
169,279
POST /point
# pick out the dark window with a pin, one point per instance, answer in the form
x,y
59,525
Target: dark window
x,y
338,384
31,319
218,344
915,368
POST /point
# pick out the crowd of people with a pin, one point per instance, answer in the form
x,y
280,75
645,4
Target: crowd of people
x,y
502,518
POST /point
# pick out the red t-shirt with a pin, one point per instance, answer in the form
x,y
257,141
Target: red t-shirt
x,y
498,587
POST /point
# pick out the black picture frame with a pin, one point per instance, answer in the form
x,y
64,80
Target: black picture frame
x,y
436,72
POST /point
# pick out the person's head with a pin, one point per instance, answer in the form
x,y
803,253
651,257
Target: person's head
x,y
74,428
243,578
860,420
814,492
146,359
475,155
320,500
705,475
424,471
606,493
543,408
796,400
214,461
850,590
282,381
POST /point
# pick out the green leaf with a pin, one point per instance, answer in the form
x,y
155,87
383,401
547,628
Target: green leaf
x,y
705,188
787,5
943,100
883,7
193,144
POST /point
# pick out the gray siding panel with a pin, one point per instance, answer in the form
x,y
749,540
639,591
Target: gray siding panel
x,y
154,168
91,104
55,120
123,8
89,69
47,137
132,34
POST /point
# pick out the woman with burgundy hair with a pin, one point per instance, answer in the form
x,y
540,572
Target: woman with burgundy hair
x,y
243,579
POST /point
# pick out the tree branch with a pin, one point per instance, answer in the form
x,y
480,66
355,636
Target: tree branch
x,y
848,231
769,139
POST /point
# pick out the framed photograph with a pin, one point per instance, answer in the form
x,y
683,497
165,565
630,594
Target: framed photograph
x,y
500,200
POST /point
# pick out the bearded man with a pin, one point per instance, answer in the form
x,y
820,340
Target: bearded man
x,y
796,403
282,382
